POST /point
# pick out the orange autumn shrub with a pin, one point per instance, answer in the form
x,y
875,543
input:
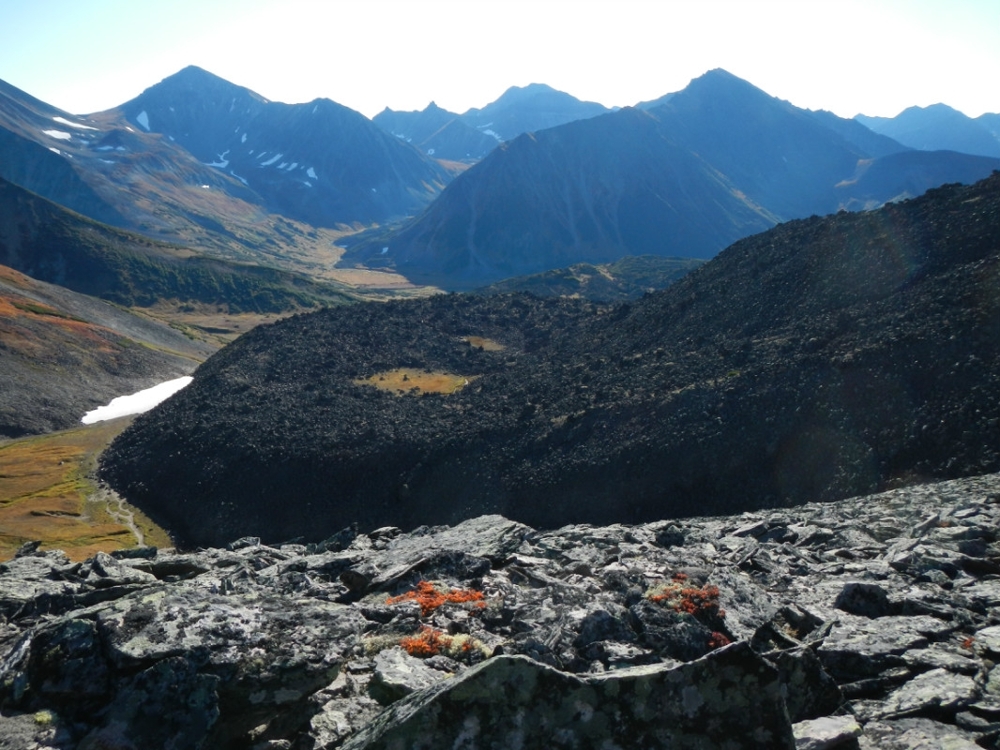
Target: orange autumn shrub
x,y
430,598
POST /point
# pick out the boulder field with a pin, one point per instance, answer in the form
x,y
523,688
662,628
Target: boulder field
x,y
871,622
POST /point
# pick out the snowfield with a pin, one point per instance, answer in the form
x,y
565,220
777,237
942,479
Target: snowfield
x,y
137,403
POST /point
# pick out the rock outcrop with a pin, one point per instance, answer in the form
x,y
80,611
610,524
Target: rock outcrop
x,y
865,623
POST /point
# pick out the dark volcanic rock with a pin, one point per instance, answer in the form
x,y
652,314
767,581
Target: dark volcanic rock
x,y
258,646
825,358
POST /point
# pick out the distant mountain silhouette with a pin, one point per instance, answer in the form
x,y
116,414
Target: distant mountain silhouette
x,y
710,164
438,133
938,128
320,162
469,137
581,192
528,109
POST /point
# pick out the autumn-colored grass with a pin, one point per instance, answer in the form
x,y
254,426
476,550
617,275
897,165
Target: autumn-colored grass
x,y
46,495
487,345
404,380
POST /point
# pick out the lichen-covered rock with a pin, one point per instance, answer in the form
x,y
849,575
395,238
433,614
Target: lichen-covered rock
x,y
883,609
510,702
827,733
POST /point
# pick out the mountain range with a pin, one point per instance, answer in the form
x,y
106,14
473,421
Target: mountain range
x,y
470,136
198,194
685,176
939,127
824,358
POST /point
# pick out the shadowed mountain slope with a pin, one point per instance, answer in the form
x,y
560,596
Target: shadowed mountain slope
x,y
318,162
438,133
706,166
825,358
582,192
63,354
52,244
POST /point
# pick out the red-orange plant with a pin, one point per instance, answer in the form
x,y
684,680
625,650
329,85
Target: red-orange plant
x,y
718,640
430,598
431,642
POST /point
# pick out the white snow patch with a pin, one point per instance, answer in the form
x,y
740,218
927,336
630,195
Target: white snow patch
x,y
61,135
105,148
312,173
137,403
143,119
205,187
239,178
105,161
64,121
222,162
315,107
293,165
374,190
120,148
384,250
494,134
270,161
283,165
308,184
244,138
54,150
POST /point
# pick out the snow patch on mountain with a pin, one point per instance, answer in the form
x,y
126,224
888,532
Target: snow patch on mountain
x,y
312,173
143,119
64,121
61,135
137,403
222,162
272,160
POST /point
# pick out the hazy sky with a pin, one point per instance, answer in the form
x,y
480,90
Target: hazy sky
x,y
849,56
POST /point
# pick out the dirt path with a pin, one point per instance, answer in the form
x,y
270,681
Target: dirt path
x,y
119,512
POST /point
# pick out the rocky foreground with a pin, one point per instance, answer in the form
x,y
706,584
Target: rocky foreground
x,y
871,622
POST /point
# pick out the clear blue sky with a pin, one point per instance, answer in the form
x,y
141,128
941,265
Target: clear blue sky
x,y
849,56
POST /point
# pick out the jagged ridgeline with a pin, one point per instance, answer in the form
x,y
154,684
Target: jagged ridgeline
x,y
825,358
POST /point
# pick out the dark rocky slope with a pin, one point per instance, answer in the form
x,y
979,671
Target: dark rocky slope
x,y
825,358
625,279
871,623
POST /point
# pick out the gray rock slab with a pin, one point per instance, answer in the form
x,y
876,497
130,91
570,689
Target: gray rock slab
x,y
729,699
938,689
397,674
826,733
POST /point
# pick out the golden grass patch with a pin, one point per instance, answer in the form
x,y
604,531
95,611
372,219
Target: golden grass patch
x,y
46,495
487,345
405,380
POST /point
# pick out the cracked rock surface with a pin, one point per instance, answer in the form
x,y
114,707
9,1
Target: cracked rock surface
x,y
871,622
